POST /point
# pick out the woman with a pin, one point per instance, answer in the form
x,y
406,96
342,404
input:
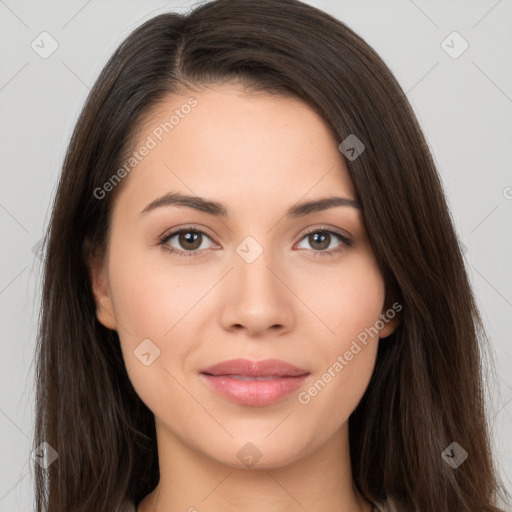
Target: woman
x,y
254,296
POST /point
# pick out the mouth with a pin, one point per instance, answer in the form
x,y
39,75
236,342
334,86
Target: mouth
x,y
254,383
249,378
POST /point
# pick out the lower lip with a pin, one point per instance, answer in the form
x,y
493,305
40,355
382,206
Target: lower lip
x,y
254,392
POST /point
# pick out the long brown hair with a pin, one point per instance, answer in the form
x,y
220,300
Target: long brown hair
x,y
428,387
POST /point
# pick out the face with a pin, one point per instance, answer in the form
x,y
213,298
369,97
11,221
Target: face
x,y
189,288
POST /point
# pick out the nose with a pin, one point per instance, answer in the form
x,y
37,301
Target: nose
x,y
256,298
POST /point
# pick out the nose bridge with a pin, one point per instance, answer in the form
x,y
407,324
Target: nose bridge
x,y
255,280
258,299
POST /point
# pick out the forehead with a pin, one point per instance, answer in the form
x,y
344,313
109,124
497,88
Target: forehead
x,y
242,148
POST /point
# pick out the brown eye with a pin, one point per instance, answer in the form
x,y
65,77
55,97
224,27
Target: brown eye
x,y
321,241
185,242
190,240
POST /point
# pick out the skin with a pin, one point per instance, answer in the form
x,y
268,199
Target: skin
x,y
257,154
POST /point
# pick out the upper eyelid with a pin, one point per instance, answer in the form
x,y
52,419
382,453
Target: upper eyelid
x,y
344,233
173,232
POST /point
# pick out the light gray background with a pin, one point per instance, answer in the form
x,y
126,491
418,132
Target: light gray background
x,y
464,106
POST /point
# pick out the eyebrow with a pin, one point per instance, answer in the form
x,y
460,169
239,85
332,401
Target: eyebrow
x,y
219,210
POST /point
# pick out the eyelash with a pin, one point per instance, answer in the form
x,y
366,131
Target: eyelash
x,y
163,241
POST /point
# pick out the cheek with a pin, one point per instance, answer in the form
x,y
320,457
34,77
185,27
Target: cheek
x,y
348,299
150,303
153,312
149,298
350,305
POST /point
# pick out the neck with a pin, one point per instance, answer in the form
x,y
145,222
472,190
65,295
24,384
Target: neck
x,y
192,481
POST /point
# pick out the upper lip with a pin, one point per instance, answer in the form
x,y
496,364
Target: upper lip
x,y
249,368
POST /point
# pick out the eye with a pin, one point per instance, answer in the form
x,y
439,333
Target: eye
x,y
321,239
190,241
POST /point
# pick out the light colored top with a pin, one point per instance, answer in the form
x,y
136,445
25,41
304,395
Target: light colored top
x,y
129,506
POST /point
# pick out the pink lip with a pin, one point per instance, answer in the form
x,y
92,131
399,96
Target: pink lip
x,y
222,379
